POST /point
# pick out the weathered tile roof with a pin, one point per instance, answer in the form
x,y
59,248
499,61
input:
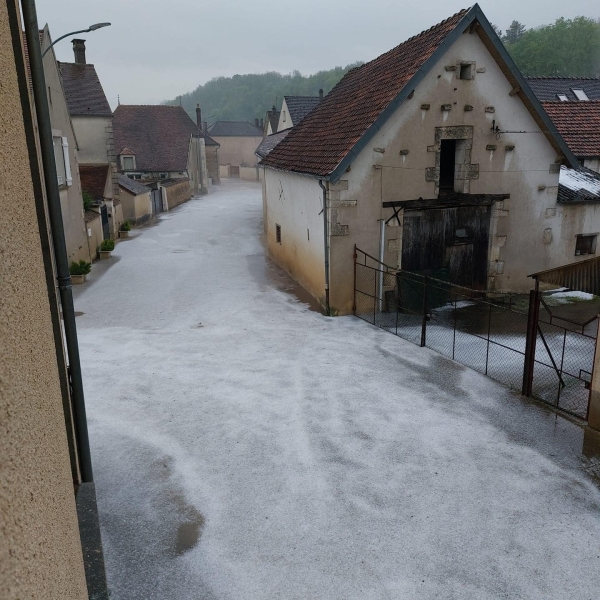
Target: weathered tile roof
x,y
578,185
159,135
300,106
133,186
83,90
93,180
579,125
234,129
548,88
331,130
269,142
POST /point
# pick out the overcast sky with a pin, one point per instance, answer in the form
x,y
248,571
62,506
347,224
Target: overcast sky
x,y
157,49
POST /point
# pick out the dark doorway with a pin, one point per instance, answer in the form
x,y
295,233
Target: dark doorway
x,y
105,225
448,243
447,165
157,204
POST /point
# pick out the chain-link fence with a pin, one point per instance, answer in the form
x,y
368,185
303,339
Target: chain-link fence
x,y
487,332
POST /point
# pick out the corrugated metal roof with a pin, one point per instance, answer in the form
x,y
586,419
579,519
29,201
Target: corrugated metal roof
x,y
583,276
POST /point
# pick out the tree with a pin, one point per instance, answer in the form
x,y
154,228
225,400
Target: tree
x,y
246,97
514,33
568,48
497,30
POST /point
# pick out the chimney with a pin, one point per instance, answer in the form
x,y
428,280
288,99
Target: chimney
x,y
198,116
205,127
79,51
262,123
320,94
256,122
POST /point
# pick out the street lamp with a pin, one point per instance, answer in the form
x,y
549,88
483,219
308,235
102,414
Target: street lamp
x,y
90,28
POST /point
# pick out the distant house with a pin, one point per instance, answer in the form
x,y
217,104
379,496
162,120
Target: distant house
x,y
136,199
92,120
65,154
437,157
211,148
238,142
271,122
156,143
296,108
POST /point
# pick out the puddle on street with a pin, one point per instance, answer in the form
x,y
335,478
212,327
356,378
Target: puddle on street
x,y
188,534
268,274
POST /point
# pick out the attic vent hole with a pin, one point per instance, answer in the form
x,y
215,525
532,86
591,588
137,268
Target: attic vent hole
x,y
278,233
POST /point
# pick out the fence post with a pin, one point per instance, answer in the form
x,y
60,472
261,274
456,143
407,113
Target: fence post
x,y
593,414
354,301
530,343
424,325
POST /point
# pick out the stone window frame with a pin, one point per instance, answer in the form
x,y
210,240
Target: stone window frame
x,y
462,63
464,169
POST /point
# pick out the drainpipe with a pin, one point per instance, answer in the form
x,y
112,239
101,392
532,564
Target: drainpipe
x,y
63,275
381,257
326,247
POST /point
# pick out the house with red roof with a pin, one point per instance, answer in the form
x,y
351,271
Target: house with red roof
x,y
435,157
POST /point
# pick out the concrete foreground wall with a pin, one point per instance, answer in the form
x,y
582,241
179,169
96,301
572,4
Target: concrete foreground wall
x,y
40,549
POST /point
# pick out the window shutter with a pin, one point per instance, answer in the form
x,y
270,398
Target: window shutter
x,y
65,147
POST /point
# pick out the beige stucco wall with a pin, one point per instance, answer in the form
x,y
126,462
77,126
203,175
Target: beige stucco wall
x,y
519,226
249,173
93,139
136,209
40,551
295,204
592,163
95,236
70,195
285,121
238,151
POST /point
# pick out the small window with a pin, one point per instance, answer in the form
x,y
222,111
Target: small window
x,y
278,233
466,71
580,95
163,175
585,244
562,97
308,234
128,163
284,116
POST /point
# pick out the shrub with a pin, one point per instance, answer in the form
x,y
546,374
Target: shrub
x,y
125,226
107,245
87,201
80,268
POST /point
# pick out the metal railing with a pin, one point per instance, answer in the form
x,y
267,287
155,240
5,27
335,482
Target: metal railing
x,y
486,331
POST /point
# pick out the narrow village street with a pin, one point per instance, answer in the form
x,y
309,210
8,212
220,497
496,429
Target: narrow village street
x,y
246,447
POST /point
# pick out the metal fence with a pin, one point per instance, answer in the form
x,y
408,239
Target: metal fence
x,y
487,332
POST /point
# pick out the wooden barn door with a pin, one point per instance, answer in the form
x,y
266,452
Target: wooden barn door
x,y
448,243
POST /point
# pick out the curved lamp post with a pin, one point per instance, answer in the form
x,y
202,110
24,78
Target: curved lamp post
x,y
90,28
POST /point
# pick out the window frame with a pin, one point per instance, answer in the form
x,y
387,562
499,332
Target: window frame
x,y
580,94
579,241
124,166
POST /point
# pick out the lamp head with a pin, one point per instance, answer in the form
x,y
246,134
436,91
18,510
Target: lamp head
x,y
98,26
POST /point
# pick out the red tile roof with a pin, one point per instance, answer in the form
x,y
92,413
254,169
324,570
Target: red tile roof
x,y
330,131
158,135
579,125
93,180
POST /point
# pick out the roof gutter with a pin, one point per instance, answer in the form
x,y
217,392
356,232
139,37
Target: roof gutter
x,y
58,237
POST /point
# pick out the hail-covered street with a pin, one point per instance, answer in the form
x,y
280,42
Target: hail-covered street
x,y
245,447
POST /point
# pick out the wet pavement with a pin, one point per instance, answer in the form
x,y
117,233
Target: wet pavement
x,y
246,446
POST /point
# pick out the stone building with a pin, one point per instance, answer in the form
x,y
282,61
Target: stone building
x,y
441,140
238,141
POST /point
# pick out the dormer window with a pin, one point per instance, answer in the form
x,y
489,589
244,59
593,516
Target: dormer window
x,y
580,95
562,97
284,116
128,163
